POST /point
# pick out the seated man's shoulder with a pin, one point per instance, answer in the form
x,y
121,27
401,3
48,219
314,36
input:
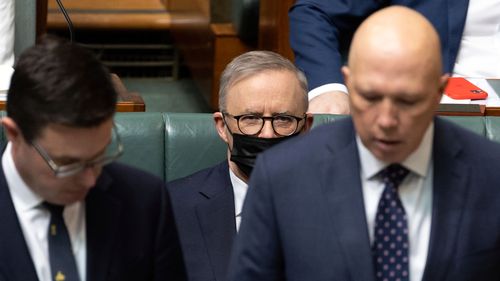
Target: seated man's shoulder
x,y
127,181
189,186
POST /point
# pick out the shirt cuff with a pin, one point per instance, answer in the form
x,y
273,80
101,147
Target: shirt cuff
x,y
327,88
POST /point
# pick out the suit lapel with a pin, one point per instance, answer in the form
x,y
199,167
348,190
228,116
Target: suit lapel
x,y
449,192
217,220
15,259
345,202
102,211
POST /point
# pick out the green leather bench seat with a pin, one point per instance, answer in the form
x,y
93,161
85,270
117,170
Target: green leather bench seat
x,y
191,144
143,136
174,145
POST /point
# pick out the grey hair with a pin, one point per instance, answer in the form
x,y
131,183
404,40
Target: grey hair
x,y
254,62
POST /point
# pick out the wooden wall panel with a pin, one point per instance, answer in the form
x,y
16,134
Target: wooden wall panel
x,y
41,17
110,14
226,47
190,29
274,31
207,42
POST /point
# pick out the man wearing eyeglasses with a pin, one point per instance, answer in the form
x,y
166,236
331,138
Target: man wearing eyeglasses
x,y
262,102
66,214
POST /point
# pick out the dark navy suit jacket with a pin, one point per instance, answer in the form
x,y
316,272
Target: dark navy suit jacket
x,y
304,216
204,212
131,233
321,31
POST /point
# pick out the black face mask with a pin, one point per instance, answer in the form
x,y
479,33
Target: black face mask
x,y
246,148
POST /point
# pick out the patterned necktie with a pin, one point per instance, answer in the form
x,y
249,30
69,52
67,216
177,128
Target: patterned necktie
x,y
390,245
62,260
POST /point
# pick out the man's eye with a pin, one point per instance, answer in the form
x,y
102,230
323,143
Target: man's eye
x,y
250,118
283,120
371,98
65,161
406,102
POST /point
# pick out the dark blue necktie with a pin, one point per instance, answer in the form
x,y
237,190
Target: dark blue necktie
x,y
390,245
62,260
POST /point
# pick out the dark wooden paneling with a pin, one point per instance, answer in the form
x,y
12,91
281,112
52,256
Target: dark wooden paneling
x,y
190,29
41,17
206,46
274,31
226,47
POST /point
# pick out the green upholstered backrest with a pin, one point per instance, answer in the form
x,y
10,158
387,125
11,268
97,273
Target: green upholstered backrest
x,y
320,119
25,25
174,145
492,127
473,123
143,136
191,144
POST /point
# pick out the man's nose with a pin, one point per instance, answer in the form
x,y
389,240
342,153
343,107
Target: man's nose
x,y
388,115
267,130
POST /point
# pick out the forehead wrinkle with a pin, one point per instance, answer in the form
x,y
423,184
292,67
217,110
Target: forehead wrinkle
x,y
257,94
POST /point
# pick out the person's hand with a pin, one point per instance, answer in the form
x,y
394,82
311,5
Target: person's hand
x,y
335,102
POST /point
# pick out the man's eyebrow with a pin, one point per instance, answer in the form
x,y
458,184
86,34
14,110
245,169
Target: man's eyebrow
x,y
286,112
363,91
272,114
251,111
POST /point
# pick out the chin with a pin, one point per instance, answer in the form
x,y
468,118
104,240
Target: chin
x,y
70,199
389,158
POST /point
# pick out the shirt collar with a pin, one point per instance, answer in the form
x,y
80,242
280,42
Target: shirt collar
x,y
240,190
417,162
23,196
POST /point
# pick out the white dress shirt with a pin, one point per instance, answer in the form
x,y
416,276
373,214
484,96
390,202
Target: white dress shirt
x,y
240,189
415,193
34,220
326,88
479,53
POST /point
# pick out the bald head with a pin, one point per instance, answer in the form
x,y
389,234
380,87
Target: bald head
x,y
395,81
397,34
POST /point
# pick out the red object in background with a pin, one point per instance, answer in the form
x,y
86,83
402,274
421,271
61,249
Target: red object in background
x,y
460,89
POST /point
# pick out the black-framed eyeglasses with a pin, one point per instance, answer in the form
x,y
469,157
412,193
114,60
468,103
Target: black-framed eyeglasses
x,y
113,151
252,124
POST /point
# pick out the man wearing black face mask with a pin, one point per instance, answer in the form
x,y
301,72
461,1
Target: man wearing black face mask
x,y
262,101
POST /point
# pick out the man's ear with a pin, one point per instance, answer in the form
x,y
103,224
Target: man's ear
x,y
443,82
11,130
309,122
220,126
346,73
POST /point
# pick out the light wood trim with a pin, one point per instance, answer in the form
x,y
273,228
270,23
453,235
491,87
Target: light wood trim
x,y
110,4
127,101
112,21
